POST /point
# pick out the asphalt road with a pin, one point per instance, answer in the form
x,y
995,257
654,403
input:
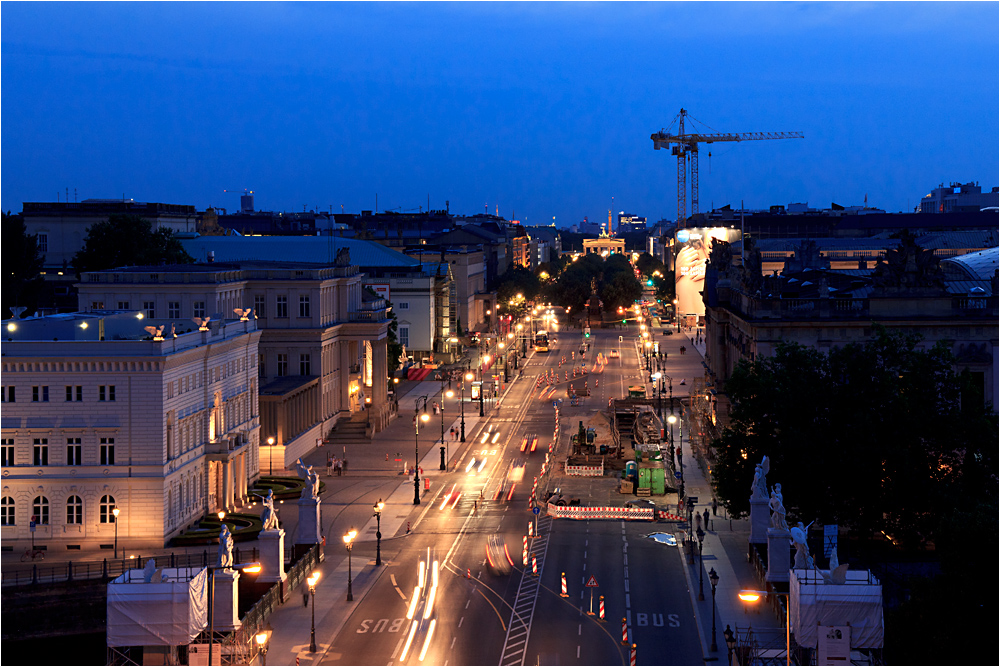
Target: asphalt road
x,y
481,617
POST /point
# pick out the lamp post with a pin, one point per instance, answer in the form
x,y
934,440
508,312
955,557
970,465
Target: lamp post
x,y
467,378
671,420
261,638
115,511
417,418
377,507
443,442
349,543
270,455
312,593
750,597
730,642
713,577
701,564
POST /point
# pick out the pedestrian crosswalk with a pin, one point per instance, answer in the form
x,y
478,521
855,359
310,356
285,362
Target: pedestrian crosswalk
x,y
519,629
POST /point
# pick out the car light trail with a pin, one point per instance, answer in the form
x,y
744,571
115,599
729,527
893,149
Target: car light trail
x,y
427,641
496,436
409,640
413,605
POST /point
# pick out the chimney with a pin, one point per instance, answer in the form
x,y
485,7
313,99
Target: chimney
x,y
211,256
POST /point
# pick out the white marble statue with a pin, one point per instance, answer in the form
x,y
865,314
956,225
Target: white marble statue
x,y
311,479
759,489
269,517
802,558
777,505
225,547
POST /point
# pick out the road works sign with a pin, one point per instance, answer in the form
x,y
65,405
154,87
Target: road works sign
x,y
592,582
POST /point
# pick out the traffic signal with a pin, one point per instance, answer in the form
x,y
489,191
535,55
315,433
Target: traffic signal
x,y
649,283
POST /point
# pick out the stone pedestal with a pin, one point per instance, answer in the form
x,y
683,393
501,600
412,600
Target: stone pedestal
x,y
308,530
778,555
272,556
760,520
225,616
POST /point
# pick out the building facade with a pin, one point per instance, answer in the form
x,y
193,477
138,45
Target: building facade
x,y
107,409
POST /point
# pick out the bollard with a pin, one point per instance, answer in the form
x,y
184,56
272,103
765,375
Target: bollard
x,y
600,614
564,593
524,553
534,566
468,573
632,655
624,632
530,530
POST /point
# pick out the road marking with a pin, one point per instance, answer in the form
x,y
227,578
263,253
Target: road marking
x,y
626,585
626,560
584,553
578,652
453,642
579,629
585,566
460,621
468,602
628,600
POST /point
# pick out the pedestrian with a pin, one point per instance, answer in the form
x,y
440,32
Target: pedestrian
x,y
697,521
706,518
475,505
715,507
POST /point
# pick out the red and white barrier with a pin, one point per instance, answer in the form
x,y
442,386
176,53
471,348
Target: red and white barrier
x,y
600,613
565,593
625,513
632,655
624,632
534,566
586,471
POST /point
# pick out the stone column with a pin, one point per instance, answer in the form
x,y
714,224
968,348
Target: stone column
x,y
760,520
225,615
272,555
778,555
226,501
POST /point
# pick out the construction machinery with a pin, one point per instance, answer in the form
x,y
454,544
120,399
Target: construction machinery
x,y
685,147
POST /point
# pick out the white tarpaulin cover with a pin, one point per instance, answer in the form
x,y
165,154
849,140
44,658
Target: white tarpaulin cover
x,y
170,612
857,603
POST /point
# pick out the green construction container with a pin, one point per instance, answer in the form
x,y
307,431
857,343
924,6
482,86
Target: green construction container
x,y
658,483
645,477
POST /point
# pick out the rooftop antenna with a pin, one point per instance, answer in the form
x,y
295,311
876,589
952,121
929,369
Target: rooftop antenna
x,y
74,196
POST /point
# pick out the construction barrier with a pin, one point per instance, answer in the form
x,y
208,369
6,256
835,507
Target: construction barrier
x,y
668,516
600,614
565,593
624,632
632,655
534,566
585,471
626,513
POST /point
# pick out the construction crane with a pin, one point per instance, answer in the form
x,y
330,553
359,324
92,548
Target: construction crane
x,y
685,147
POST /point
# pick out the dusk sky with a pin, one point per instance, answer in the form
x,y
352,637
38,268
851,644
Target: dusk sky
x,y
541,110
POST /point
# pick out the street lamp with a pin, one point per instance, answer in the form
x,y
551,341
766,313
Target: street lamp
x,y
449,394
349,543
671,420
261,638
417,418
468,378
713,577
115,511
270,456
730,642
312,593
701,563
750,597
377,507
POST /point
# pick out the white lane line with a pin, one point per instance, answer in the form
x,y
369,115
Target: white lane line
x,y
468,602
581,595
626,560
626,585
584,553
460,621
577,652
628,600
584,567
579,629
453,642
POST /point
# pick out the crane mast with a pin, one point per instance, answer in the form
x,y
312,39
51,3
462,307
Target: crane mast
x,y
685,147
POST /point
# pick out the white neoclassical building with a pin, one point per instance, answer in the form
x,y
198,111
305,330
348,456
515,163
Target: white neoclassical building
x,y
110,409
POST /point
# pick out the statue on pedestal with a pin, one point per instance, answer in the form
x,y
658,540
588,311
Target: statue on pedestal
x,y
225,547
777,505
802,558
759,489
311,479
269,517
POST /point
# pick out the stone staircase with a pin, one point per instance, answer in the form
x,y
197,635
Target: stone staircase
x,y
348,432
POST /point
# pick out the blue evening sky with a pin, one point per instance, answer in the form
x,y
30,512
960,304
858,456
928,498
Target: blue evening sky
x,y
541,110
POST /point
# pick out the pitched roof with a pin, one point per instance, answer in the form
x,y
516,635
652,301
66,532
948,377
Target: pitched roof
x,y
314,249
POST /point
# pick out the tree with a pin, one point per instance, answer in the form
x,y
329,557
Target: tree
x,y
647,264
516,280
22,265
873,437
621,290
127,240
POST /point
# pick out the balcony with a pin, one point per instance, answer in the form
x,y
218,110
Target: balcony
x,y
369,311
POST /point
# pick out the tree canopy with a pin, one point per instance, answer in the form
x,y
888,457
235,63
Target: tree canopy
x,y
876,437
127,240
22,265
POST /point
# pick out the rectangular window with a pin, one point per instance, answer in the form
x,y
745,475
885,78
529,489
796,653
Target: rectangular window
x,y
404,305
305,365
123,305
43,243
40,394
303,306
96,305
79,393
404,336
199,309
8,394
259,302
281,306
106,392
69,393
282,365
74,452
173,309
7,452
41,451
107,451
149,307
260,364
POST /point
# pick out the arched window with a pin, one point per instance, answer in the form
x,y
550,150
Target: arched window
x,y
74,510
107,504
40,508
6,511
